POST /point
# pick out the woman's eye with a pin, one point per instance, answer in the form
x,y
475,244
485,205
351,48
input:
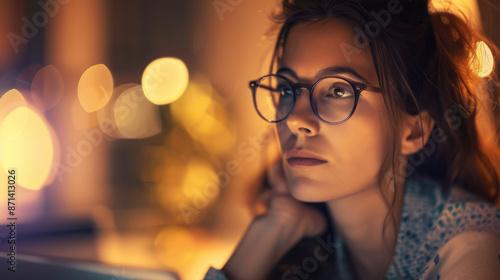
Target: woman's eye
x,y
339,92
285,91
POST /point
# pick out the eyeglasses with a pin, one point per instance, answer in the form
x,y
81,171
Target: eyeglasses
x,y
333,99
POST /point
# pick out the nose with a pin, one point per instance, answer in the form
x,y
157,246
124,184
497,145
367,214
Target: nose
x,y
302,120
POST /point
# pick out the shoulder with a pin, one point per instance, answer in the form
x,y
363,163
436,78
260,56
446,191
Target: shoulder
x,y
452,211
460,212
435,213
468,255
434,219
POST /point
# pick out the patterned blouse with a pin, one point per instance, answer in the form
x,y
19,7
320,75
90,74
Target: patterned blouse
x,y
430,220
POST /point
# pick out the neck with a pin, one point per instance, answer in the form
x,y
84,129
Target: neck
x,y
359,220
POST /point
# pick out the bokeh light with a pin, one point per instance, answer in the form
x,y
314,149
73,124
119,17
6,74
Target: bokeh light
x,y
483,62
10,101
164,80
184,183
28,148
47,88
95,88
198,180
135,116
201,113
106,115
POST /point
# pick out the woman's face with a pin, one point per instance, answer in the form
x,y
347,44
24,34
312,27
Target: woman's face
x,y
351,152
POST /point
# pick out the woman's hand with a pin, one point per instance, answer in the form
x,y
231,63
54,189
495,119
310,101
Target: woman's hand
x,y
274,233
285,210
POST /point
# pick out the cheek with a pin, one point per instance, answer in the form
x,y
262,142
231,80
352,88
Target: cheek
x,y
358,147
366,149
367,138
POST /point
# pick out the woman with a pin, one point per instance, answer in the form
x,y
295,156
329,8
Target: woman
x,y
389,141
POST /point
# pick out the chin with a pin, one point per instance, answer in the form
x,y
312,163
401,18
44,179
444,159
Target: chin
x,y
306,190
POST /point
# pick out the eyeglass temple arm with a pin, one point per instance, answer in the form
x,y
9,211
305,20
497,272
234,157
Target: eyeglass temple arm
x,y
253,85
368,87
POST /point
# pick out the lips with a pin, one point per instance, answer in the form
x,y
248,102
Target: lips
x,y
303,158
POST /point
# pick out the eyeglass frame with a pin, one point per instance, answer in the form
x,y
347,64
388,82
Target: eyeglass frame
x,y
357,87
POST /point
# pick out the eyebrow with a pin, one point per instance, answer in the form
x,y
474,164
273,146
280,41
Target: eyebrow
x,y
334,70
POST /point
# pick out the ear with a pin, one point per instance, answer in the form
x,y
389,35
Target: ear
x,y
415,132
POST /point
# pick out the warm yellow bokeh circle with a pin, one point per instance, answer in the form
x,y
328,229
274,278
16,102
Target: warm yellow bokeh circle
x,y
27,147
95,88
164,80
485,59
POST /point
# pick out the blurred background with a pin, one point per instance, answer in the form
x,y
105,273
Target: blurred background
x,y
132,130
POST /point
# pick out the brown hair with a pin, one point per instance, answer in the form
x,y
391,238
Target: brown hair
x,y
424,61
